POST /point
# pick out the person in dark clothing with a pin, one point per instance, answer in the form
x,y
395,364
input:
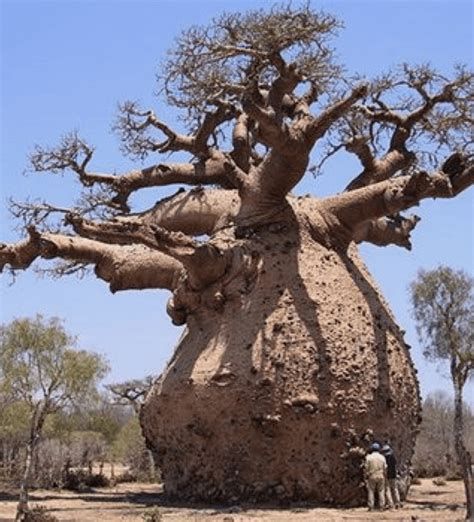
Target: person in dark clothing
x,y
392,493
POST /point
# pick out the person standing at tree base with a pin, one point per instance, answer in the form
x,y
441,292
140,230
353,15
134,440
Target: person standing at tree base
x,y
375,474
391,487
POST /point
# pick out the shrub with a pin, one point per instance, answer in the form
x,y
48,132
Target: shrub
x,y
454,474
153,515
39,513
439,481
126,476
80,480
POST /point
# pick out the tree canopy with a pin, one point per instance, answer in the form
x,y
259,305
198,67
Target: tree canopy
x,y
39,364
443,303
259,92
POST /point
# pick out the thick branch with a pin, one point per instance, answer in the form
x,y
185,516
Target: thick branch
x,y
204,262
20,255
386,231
241,142
376,170
272,131
195,212
123,267
204,172
211,170
395,195
315,128
286,163
397,156
289,77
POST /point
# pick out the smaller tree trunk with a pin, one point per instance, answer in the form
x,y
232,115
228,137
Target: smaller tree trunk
x,y
151,465
22,507
36,427
463,456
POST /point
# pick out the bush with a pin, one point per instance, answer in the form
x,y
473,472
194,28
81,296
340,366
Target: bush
x,y
454,474
81,480
39,514
439,481
126,476
153,515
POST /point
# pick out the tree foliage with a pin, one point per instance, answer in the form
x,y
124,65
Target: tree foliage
x,y
39,363
443,304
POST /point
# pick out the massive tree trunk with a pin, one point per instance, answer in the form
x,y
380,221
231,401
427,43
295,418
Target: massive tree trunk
x,y
277,395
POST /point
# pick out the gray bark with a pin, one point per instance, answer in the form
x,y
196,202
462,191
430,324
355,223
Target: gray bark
x,y
463,456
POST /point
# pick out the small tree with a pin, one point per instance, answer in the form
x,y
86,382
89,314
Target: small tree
x,y
133,393
443,302
39,367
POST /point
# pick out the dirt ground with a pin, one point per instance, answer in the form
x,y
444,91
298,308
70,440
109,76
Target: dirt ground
x,y
129,502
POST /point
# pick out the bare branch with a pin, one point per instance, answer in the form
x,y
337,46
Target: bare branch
x,y
212,170
317,127
389,197
133,126
215,62
195,212
406,122
123,267
204,261
72,153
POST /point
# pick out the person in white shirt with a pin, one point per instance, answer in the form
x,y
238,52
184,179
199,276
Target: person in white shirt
x,y
375,468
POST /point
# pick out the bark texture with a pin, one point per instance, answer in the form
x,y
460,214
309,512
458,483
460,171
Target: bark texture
x,y
278,396
463,456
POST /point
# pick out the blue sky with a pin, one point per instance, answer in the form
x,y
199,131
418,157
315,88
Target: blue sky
x,y
66,64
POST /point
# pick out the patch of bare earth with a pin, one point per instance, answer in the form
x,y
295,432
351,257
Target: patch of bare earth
x,y
129,502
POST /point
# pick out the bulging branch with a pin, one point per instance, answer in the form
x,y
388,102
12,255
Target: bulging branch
x,y
123,267
356,209
387,231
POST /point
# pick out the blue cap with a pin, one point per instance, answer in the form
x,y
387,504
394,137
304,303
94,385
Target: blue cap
x,y
375,446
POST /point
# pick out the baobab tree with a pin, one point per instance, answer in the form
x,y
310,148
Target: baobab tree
x,y
290,362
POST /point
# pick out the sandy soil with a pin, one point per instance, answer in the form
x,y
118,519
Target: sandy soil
x,y
129,502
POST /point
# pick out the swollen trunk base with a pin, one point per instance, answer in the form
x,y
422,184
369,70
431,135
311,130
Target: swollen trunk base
x,y
278,395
